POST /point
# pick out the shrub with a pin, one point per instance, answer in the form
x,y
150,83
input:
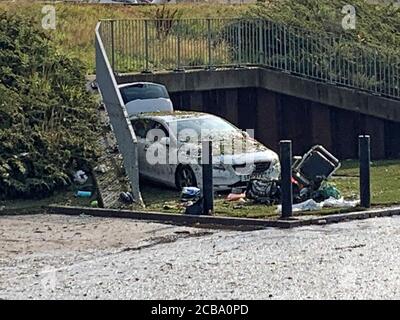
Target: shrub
x,y
47,119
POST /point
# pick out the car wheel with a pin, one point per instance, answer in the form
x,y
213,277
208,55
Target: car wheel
x,y
185,177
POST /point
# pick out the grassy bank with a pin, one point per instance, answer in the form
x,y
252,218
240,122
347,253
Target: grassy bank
x,y
376,24
75,23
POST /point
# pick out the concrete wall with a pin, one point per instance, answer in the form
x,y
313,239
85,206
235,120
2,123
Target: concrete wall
x,y
281,106
277,81
275,116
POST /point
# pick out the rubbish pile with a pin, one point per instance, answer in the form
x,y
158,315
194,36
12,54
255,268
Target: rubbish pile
x,y
310,183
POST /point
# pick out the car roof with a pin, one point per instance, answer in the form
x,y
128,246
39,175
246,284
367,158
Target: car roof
x,y
171,116
124,85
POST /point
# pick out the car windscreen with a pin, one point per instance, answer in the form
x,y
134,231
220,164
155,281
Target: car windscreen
x,y
143,91
202,125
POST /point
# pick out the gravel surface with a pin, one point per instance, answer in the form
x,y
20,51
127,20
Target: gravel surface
x,y
56,257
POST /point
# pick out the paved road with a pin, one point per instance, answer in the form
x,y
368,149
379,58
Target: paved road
x,y
59,257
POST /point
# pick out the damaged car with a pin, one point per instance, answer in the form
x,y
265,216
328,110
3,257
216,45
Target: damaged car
x,y
169,146
169,143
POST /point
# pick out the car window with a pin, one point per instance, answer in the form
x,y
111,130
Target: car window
x,y
142,127
139,126
143,91
156,134
210,123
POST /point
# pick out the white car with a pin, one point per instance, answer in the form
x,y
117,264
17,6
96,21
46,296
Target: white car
x,y
169,151
145,97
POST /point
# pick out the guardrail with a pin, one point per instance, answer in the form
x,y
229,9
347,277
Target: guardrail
x,y
152,45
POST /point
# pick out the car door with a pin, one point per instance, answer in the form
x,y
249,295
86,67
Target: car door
x,y
140,128
157,161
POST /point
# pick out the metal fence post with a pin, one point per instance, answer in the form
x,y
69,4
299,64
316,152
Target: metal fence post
x,y
178,49
112,46
146,45
285,47
261,46
207,173
286,178
365,179
209,42
240,43
375,73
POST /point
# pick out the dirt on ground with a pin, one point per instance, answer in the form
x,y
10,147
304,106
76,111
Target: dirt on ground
x,y
39,234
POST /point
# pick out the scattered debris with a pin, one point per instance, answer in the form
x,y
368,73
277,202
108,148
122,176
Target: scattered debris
x,y
236,197
190,194
80,177
94,204
308,205
312,205
192,200
265,192
102,168
83,194
311,189
340,203
127,197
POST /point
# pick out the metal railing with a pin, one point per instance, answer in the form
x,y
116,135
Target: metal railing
x,y
152,45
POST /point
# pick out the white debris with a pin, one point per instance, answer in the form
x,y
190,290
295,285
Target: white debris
x,y
80,177
102,168
340,203
311,205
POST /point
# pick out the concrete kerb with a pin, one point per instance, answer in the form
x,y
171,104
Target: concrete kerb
x,y
223,222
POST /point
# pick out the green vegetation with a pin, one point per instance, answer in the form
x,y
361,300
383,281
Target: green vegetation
x,y
75,23
377,25
47,119
385,181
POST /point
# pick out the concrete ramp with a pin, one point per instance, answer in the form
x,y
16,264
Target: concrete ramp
x,y
110,175
121,126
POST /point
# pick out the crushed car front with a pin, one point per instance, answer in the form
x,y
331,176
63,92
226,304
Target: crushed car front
x,y
237,157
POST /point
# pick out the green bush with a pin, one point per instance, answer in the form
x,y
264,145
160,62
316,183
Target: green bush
x,y
377,24
47,119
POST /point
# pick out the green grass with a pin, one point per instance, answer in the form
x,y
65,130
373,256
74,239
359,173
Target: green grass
x,y
76,23
385,181
167,200
385,185
376,24
65,198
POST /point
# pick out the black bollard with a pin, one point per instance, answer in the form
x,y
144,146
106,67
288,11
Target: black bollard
x,y
286,178
365,178
207,169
